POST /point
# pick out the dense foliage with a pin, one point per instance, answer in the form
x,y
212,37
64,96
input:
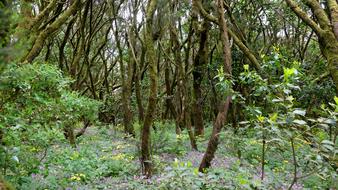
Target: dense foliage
x,y
36,106
168,94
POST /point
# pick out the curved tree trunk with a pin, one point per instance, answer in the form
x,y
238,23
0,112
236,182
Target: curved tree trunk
x,y
222,114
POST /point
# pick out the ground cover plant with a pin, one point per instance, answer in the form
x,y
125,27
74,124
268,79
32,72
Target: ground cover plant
x,y
157,94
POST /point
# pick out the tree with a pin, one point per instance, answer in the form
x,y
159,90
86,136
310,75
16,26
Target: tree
x,y
148,120
223,112
326,28
126,82
200,62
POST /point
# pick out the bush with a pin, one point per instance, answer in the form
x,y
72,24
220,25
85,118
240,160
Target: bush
x,y
36,104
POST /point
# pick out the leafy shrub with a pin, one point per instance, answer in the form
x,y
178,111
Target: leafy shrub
x,y
276,117
36,104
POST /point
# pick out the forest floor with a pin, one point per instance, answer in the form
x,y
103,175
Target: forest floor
x,y
106,159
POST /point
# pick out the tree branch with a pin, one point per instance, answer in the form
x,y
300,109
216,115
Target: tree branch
x,y
320,14
302,15
247,52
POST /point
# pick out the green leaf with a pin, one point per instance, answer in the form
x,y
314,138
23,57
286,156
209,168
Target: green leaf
x,y
299,122
336,99
288,73
299,112
246,67
327,142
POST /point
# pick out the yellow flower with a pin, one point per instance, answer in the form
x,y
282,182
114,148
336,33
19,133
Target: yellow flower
x,y
285,161
77,177
119,156
276,48
119,146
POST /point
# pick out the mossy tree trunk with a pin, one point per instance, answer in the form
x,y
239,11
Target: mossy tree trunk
x,y
70,135
239,43
183,118
200,63
223,112
326,28
126,81
146,160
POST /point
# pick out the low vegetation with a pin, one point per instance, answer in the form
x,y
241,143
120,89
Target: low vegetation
x,y
159,94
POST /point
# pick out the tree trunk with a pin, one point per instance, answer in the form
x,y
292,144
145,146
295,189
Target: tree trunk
x,y
183,117
222,115
197,102
200,63
148,120
213,142
127,114
69,134
329,47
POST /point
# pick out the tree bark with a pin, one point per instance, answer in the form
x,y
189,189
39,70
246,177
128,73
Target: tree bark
x,y
184,115
325,29
126,86
333,6
50,29
246,51
198,72
222,115
148,120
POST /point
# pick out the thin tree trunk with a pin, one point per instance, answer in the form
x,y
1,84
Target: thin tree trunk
x,y
222,115
127,114
62,56
183,118
148,120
